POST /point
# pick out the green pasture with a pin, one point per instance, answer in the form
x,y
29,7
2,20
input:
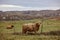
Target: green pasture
x,y
46,26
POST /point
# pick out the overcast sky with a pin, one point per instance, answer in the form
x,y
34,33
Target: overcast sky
x,y
32,3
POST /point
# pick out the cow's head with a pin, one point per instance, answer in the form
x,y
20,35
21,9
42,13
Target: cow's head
x,y
38,24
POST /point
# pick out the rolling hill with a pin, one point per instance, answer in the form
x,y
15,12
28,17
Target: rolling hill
x,y
18,15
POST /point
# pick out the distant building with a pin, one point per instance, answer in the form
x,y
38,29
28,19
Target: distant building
x,y
3,17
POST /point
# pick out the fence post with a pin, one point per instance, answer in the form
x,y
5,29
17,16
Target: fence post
x,y
42,25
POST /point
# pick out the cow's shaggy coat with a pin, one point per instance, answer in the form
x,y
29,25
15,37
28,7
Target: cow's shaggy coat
x,y
30,27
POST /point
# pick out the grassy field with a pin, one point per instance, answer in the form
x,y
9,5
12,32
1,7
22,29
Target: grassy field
x,y
50,30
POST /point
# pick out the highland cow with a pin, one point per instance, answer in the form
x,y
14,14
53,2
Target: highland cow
x,y
30,27
10,26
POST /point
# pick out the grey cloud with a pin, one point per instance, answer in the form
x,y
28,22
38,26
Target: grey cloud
x,y
32,3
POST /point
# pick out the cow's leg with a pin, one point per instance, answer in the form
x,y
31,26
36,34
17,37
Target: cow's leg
x,y
24,31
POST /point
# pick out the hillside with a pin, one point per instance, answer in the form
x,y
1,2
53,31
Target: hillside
x,y
26,15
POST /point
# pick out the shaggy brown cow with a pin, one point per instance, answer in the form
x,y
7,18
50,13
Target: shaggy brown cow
x,y
10,26
30,27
